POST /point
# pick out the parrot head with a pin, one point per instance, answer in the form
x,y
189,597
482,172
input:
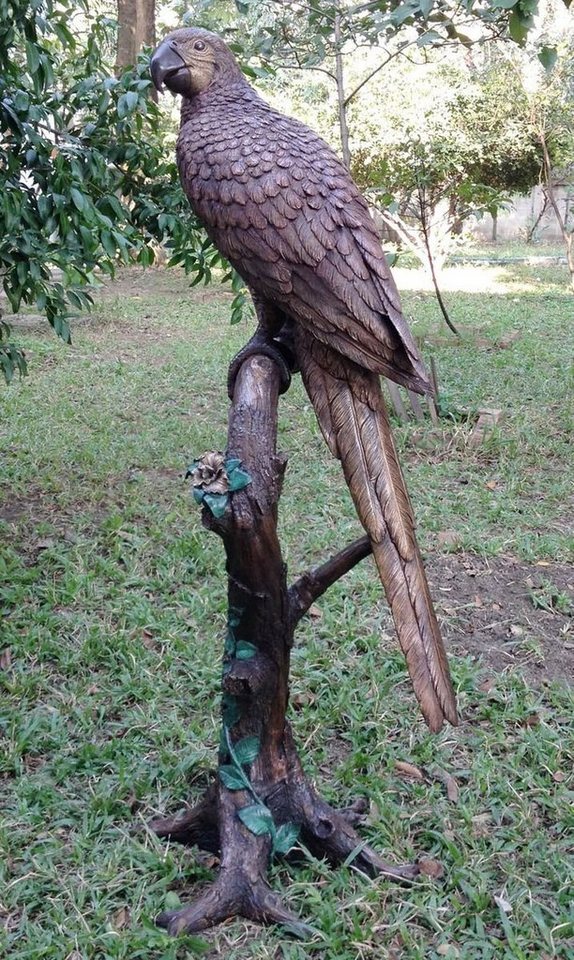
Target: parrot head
x,y
188,61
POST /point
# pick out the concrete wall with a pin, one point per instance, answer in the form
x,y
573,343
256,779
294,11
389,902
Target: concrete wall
x,y
517,220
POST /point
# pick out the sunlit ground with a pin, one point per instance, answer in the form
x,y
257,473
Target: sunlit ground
x,y
468,279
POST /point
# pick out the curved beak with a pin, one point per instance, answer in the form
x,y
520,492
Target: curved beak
x,y
166,62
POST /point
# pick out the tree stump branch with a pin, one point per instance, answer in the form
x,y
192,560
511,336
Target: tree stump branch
x,y
262,800
314,583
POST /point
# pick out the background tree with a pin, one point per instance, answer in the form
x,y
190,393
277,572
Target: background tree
x,y
551,101
86,181
136,29
431,189
454,142
327,37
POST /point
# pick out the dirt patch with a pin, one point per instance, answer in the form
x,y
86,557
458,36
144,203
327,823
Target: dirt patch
x,y
12,512
127,344
28,509
131,283
23,514
507,614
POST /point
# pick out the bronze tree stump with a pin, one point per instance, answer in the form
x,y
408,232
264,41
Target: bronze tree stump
x,y
262,615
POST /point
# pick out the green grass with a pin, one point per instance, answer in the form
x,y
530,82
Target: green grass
x,y
113,601
476,249
511,249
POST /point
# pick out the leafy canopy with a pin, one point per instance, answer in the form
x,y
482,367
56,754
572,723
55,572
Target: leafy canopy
x,y
306,33
86,180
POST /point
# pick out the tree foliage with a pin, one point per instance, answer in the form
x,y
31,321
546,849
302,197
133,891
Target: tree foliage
x,y
86,181
309,32
453,141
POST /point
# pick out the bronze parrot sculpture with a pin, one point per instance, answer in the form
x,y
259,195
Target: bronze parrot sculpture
x,y
282,208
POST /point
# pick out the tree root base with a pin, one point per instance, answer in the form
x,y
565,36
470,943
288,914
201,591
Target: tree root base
x,y
240,888
233,894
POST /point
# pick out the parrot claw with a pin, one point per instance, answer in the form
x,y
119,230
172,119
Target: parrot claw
x,y
262,345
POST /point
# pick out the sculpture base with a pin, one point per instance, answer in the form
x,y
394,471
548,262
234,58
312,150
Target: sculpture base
x,y
240,888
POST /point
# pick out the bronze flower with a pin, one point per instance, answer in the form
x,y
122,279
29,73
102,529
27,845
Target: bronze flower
x,y
209,473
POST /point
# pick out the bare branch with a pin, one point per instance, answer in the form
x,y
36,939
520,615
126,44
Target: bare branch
x,y
315,582
302,66
342,103
424,224
310,7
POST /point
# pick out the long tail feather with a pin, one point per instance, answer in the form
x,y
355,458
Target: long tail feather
x,y
349,405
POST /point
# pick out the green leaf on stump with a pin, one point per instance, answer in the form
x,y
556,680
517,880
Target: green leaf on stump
x,y
285,837
245,650
232,778
247,750
258,819
230,710
238,479
234,617
217,503
229,646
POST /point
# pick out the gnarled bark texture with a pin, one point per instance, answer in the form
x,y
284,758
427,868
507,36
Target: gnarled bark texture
x,y
263,613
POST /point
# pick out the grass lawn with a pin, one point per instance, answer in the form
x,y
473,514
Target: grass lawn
x,y
112,617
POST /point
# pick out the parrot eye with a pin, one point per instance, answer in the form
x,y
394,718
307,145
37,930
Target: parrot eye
x,y
199,45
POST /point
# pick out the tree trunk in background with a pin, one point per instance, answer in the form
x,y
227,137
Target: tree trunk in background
x,y
561,219
136,28
342,105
